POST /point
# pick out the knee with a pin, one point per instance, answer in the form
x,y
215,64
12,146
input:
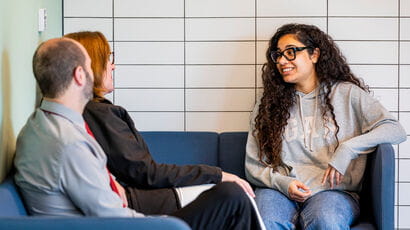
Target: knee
x,y
325,222
230,191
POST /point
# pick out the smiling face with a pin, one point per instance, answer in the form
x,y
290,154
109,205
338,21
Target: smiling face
x,y
300,71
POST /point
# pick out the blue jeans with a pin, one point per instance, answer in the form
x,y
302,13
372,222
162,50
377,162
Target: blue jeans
x,y
328,210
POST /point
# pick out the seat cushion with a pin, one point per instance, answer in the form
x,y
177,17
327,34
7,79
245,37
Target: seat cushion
x,y
183,148
11,204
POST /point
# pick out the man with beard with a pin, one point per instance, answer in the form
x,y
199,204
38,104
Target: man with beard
x,y
61,169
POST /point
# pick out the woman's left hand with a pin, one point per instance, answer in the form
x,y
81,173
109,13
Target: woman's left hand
x,y
331,174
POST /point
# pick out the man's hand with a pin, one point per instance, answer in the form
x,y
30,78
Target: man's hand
x,y
244,184
298,191
122,194
332,174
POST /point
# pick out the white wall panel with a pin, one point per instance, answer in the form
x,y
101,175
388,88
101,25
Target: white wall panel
x,y
217,121
405,149
151,8
220,76
214,29
404,99
369,52
158,121
363,28
405,28
277,8
220,52
150,99
149,52
149,76
266,27
87,8
405,75
219,99
363,8
404,52
377,75
404,221
104,25
404,170
220,8
405,8
155,29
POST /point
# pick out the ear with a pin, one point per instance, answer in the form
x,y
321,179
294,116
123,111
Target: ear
x,y
315,56
79,76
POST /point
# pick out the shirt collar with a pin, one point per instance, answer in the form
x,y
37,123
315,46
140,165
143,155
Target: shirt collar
x,y
61,110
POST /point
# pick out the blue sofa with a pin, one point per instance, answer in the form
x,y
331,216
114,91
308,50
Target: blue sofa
x,y
226,150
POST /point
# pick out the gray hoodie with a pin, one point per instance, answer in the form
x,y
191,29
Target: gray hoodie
x,y
309,142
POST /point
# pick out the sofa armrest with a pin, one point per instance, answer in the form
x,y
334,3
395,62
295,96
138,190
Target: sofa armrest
x,y
382,173
86,223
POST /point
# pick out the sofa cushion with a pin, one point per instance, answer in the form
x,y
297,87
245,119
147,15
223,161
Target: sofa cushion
x,y
10,200
232,147
183,148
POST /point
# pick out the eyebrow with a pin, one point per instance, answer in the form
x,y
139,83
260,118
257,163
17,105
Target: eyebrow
x,y
286,47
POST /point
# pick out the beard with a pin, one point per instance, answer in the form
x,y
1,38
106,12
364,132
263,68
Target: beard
x,y
88,89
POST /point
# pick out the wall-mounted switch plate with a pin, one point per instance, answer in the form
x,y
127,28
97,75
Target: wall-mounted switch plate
x,y
42,19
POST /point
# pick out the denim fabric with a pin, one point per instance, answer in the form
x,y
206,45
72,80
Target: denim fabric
x,y
328,210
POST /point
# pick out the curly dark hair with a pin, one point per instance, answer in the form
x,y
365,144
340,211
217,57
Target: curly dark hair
x,y
279,96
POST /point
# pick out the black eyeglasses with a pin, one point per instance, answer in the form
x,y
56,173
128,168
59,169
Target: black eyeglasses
x,y
112,57
289,53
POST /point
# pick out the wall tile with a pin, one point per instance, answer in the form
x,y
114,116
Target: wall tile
x,y
388,98
261,48
154,29
219,99
405,28
405,121
404,220
405,8
404,99
377,75
149,52
404,52
217,29
87,8
404,148
363,28
152,8
217,121
158,121
162,76
404,170
266,27
149,100
369,52
104,25
269,8
362,8
220,52
220,76
405,75
220,8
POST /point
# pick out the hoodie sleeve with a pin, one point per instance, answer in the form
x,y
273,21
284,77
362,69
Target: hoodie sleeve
x,y
259,174
377,126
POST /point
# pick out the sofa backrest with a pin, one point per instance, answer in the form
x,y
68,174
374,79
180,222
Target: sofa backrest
x,y
183,148
232,147
10,200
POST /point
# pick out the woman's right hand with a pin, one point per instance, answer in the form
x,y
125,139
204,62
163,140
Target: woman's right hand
x,y
298,191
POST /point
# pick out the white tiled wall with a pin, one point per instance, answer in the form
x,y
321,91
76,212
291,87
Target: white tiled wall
x,y
195,65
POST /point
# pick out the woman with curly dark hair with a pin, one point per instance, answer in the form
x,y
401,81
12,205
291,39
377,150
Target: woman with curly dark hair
x,y
310,133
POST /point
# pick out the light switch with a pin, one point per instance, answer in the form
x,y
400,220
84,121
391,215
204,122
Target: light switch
x,y
42,19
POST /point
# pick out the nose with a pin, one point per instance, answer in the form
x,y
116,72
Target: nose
x,y
282,60
113,66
